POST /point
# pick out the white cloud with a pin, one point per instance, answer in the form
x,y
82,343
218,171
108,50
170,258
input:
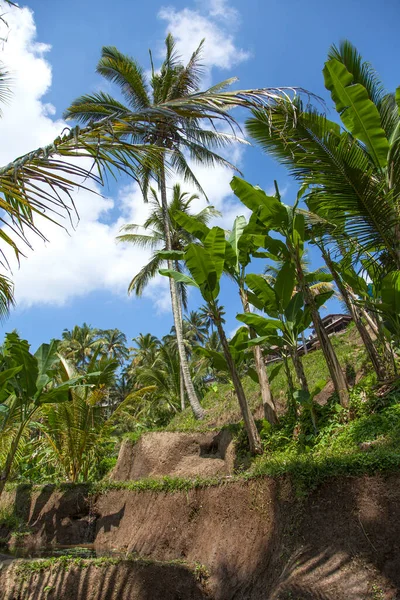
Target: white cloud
x,y
222,10
88,259
85,260
25,123
214,22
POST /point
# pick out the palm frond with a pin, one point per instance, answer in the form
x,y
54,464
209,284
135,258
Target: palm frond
x,y
41,182
6,296
189,78
5,85
362,71
125,72
91,108
145,275
336,169
142,241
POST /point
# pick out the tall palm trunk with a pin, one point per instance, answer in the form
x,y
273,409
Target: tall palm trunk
x,y
266,394
338,378
198,411
181,389
379,368
181,382
250,426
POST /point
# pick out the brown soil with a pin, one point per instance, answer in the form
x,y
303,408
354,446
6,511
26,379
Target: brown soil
x,y
175,454
125,581
256,539
54,517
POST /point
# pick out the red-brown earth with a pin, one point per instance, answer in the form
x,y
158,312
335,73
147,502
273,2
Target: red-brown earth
x,y
250,540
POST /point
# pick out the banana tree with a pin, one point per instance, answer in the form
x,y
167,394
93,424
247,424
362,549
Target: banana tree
x,y
354,291
238,347
27,383
289,316
384,301
243,249
206,264
332,240
270,214
237,259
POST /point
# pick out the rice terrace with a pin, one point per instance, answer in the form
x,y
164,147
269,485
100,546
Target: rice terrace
x,y
199,300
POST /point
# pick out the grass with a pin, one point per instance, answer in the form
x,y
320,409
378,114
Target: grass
x,y
9,519
25,568
292,449
162,484
364,439
221,403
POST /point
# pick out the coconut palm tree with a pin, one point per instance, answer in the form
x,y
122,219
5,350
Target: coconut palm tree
x,y
80,343
172,113
193,335
154,238
196,326
145,351
28,383
351,172
74,430
39,184
154,235
113,344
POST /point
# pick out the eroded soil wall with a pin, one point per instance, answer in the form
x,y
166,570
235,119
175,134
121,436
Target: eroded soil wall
x,y
124,581
257,540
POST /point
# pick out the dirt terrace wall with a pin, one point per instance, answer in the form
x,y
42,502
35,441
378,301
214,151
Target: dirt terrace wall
x,y
257,540
175,454
53,516
125,581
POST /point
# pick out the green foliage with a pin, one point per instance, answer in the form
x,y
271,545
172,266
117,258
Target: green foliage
x,y
10,520
62,409
349,175
358,113
77,432
154,236
33,387
293,448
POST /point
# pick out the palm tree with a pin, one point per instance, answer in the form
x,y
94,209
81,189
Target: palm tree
x,y
113,344
154,239
74,430
196,326
207,318
145,351
154,236
193,335
350,173
28,383
40,183
80,343
172,116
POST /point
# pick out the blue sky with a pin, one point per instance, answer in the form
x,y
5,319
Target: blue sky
x,y
84,277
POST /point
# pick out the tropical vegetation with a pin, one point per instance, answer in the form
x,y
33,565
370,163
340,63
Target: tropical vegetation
x,y
65,408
